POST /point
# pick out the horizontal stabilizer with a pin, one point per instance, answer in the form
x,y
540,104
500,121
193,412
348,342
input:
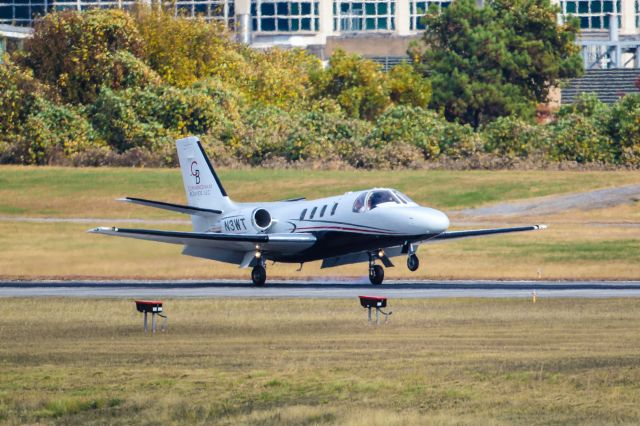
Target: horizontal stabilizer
x,y
197,211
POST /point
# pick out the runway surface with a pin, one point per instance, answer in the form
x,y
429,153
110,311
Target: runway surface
x,y
318,289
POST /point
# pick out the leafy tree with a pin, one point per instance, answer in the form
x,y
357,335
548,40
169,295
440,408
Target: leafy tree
x,y
76,52
19,95
357,84
497,60
281,77
183,50
407,87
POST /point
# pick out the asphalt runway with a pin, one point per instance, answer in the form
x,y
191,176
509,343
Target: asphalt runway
x,y
319,289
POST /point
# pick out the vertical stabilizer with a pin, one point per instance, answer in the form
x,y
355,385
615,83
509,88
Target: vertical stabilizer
x,y
201,184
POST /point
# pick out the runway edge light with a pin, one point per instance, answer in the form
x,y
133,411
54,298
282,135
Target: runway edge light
x,y
155,308
370,302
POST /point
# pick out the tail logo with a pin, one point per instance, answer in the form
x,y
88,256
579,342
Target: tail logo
x,y
195,172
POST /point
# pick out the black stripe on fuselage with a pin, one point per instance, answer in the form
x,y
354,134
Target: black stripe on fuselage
x,y
338,243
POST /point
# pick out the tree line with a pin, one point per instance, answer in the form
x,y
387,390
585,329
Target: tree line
x,y
108,87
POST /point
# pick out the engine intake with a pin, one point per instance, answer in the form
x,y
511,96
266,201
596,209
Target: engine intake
x,y
261,219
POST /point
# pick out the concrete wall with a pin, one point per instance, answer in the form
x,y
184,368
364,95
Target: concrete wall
x,y
371,45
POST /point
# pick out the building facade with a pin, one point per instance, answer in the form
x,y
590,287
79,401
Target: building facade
x,y
610,36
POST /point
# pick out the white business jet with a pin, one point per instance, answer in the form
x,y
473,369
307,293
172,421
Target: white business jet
x,y
361,226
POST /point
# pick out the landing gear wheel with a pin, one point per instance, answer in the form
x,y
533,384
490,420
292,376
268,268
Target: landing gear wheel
x,y
413,262
259,275
376,274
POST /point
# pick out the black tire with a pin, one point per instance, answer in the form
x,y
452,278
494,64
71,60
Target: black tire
x,y
413,263
376,274
259,275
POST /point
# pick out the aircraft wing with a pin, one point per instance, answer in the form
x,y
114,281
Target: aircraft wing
x,y
285,243
453,235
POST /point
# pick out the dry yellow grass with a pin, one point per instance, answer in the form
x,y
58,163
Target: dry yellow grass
x,y
576,251
78,361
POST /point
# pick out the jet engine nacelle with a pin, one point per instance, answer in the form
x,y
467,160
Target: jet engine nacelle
x,y
246,221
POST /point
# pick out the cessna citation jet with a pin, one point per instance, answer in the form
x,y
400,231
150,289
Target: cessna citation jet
x,y
371,226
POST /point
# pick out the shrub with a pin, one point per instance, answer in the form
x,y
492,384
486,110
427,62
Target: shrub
x,y
512,137
55,133
412,126
624,128
270,132
575,137
115,118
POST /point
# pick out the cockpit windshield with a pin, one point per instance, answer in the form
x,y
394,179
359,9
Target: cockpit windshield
x,y
371,200
380,197
403,198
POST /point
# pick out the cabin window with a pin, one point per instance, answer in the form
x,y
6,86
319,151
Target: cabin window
x,y
358,205
304,212
313,212
333,210
324,209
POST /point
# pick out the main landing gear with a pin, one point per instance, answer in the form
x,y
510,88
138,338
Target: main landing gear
x,y
376,272
259,273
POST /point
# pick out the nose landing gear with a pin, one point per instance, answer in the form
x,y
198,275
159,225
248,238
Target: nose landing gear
x,y
413,262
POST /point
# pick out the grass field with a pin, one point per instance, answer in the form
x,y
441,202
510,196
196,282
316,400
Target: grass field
x,y
87,192
299,361
602,243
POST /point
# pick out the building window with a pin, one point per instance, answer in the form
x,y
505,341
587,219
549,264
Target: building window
x,y
210,10
356,16
23,12
592,14
285,16
420,8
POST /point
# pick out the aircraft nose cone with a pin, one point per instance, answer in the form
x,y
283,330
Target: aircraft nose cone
x,y
438,221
